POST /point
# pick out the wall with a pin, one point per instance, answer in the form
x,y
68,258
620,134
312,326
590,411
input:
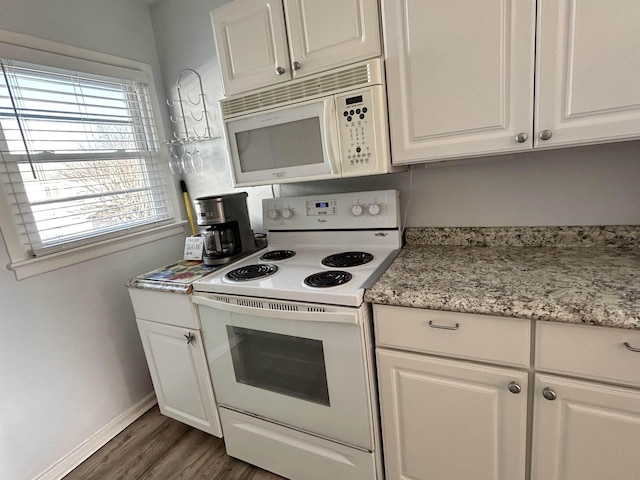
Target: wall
x,y
577,186
71,360
184,39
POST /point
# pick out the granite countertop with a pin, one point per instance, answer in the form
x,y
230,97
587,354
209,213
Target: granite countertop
x,y
586,275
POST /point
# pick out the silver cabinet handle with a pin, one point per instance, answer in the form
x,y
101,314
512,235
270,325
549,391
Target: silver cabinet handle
x,y
522,137
545,134
444,327
514,387
280,71
629,347
296,65
191,338
549,394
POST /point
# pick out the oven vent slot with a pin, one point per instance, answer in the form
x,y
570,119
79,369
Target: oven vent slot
x,y
316,309
223,299
283,306
249,303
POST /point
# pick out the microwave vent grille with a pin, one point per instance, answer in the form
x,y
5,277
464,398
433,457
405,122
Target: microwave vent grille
x,y
357,75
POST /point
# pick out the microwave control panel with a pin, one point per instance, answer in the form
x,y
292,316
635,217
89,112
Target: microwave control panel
x,y
363,136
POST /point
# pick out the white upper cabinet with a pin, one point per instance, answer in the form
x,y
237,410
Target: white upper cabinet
x,y
459,77
252,44
331,33
588,71
256,49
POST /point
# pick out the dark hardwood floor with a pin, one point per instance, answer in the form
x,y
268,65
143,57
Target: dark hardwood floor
x,y
156,447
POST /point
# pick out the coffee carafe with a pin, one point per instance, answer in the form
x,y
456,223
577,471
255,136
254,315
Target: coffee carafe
x,y
225,227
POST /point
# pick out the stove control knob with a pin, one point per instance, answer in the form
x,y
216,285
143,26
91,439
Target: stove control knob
x,y
287,213
357,210
273,214
375,209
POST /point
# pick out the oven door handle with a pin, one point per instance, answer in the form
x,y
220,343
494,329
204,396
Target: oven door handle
x,y
261,308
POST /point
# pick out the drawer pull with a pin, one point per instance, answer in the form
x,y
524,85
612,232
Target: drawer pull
x,y
444,327
629,347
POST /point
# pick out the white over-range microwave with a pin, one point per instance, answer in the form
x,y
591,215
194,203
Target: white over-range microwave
x,y
331,125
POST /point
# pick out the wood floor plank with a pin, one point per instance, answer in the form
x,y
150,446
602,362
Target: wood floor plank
x,y
156,447
196,455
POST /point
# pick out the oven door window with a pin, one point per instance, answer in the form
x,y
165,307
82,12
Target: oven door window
x,y
279,363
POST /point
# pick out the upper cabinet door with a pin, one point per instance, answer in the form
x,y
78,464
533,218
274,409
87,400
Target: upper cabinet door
x,y
329,33
588,71
459,77
252,44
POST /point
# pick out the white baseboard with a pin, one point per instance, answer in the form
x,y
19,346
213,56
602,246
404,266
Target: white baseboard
x,y
90,446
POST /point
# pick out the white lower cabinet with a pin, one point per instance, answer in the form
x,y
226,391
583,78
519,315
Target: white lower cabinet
x,y
169,328
445,419
179,372
584,431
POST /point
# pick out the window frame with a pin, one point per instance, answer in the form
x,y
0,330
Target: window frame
x,y
52,54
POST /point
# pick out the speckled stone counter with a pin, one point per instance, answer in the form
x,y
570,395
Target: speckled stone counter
x,y
588,275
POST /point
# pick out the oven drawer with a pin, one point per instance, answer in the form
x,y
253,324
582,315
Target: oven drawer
x,y
502,340
587,351
292,453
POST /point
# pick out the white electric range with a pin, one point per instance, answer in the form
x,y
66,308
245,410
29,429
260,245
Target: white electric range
x,y
288,337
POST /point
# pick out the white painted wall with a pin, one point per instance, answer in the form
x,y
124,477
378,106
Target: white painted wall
x,y
577,186
71,360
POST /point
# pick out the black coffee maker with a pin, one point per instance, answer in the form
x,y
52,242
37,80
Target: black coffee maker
x,y
225,227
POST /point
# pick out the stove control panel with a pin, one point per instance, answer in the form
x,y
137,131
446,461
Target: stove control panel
x,y
354,210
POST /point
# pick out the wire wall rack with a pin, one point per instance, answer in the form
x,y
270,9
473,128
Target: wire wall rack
x,y
190,117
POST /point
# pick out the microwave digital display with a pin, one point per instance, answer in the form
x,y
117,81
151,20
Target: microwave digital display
x,y
352,100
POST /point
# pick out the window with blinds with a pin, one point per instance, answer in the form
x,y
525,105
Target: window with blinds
x,y
79,157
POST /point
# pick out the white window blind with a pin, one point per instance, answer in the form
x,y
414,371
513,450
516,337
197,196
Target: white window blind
x,y
80,157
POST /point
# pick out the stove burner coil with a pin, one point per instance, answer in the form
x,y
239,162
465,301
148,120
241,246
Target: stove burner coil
x,y
331,278
251,272
276,255
347,259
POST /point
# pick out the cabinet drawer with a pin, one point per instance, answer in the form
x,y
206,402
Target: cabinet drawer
x,y
586,351
170,308
475,337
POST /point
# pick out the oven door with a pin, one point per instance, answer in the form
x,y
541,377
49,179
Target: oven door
x,y
305,369
294,143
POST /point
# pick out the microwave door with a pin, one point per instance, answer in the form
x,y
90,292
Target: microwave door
x,y
283,145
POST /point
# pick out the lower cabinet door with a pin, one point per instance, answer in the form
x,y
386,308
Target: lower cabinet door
x,y
584,431
445,419
180,376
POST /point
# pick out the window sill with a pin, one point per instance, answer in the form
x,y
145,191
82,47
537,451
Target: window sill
x,y
36,266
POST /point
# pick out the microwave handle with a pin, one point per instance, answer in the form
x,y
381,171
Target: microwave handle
x,y
331,135
333,317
